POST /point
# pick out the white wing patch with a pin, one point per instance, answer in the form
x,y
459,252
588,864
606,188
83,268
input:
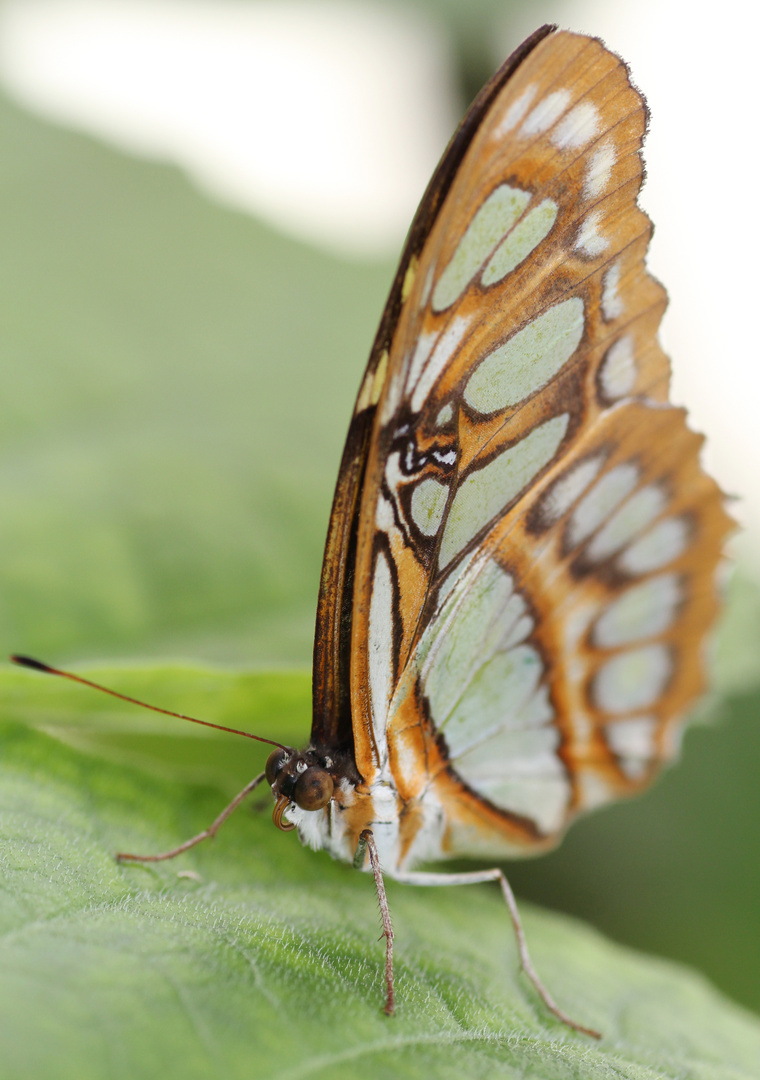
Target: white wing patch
x,y
589,241
456,637
493,220
617,373
577,128
510,676
428,503
381,648
521,241
546,113
522,773
642,611
662,545
630,520
599,170
420,356
632,680
568,489
446,413
612,302
604,497
483,683
528,360
633,742
489,490
447,345
514,113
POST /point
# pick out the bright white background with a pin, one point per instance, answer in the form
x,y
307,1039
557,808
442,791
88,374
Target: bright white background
x,y
365,104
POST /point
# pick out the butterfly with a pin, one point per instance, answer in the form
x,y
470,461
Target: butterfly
x,y
520,568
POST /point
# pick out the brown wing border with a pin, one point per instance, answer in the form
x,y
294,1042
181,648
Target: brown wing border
x,y
331,717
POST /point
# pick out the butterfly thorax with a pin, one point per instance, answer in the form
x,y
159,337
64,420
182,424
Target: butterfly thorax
x,y
323,796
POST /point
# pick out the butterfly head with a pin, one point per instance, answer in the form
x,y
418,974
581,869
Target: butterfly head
x,y
300,777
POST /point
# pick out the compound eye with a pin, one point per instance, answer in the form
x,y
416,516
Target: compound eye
x,y
314,789
275,763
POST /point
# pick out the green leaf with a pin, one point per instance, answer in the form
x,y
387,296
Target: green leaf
x,y
266,961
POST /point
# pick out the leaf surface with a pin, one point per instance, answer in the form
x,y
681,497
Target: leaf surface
x,y
264,959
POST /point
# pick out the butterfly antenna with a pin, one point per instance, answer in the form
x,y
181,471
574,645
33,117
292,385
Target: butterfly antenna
x,y
37,665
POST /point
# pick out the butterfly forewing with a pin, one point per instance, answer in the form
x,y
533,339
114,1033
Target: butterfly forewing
x,y
332,720
532,543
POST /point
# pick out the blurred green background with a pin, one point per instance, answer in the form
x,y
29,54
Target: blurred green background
x,y
177,379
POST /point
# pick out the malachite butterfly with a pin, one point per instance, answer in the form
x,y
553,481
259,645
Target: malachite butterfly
x,y
520,569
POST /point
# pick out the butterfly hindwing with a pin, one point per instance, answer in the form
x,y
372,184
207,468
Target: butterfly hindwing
x,y
555,673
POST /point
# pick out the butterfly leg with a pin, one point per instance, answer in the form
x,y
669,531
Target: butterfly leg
x,y
367,844
207,834
476,877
